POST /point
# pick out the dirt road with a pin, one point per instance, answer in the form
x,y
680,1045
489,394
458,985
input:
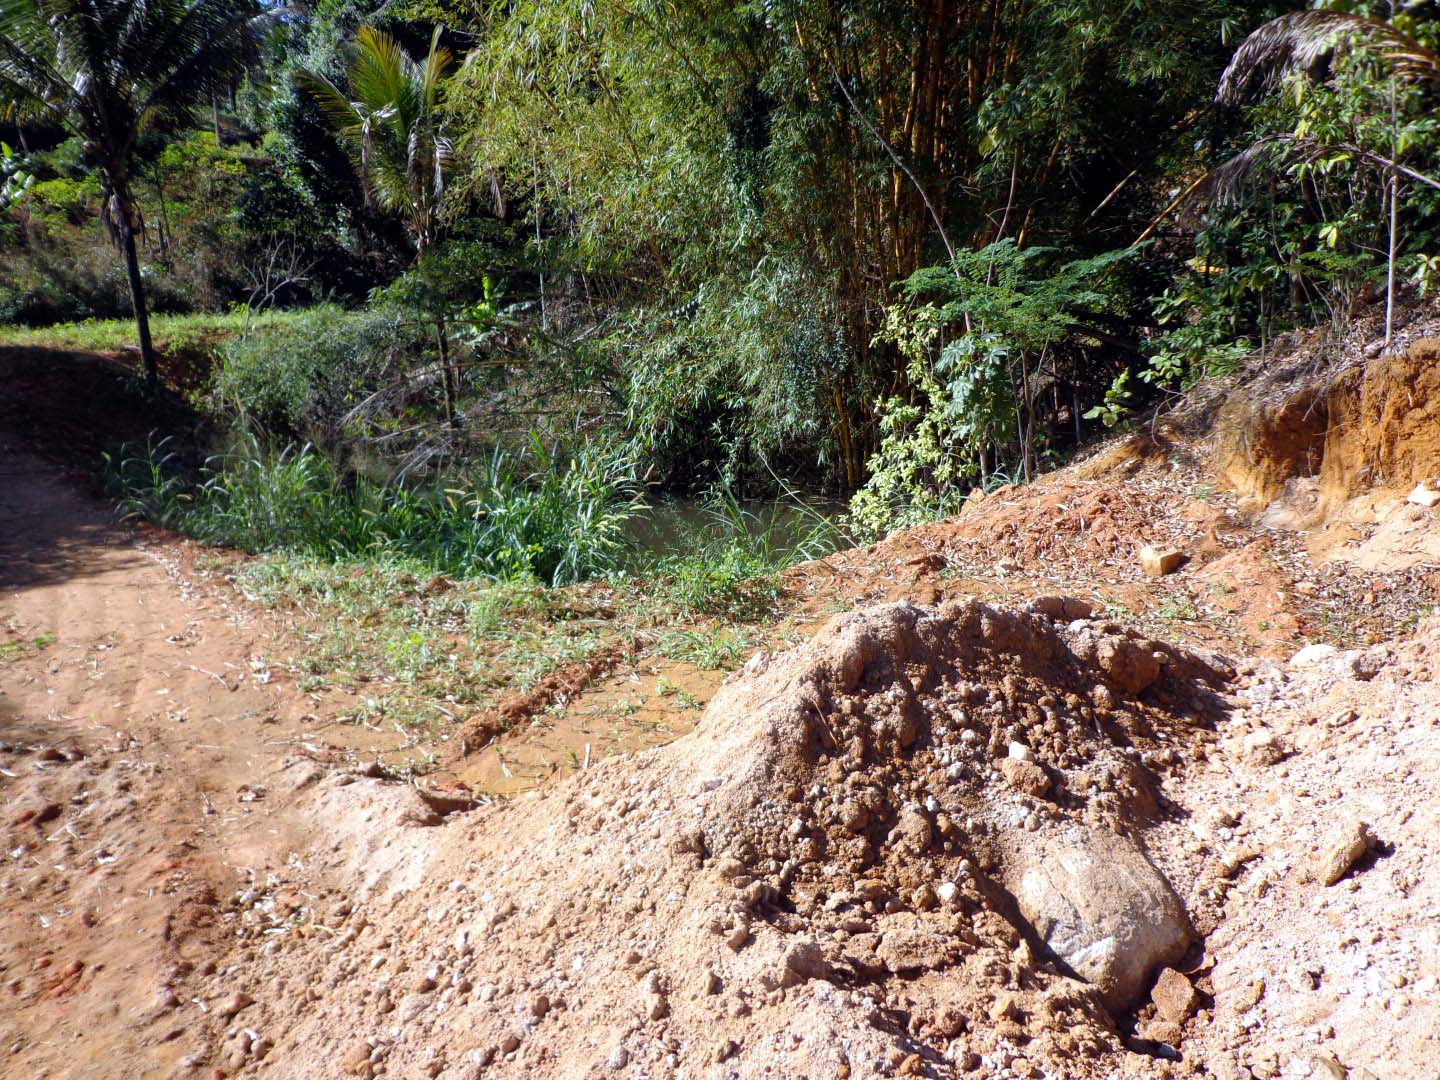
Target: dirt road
x,y
137,729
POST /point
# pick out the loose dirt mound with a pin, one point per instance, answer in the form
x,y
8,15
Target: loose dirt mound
x,y
887,851
1078,524
944,840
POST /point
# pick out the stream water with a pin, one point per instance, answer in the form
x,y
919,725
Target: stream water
x,y
678,525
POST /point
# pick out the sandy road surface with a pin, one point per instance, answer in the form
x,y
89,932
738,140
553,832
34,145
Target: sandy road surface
x,y
137,728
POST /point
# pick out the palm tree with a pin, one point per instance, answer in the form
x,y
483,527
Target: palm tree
x,y
107,70
392,124
391,121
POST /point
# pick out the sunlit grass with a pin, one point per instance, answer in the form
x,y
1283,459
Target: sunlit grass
x,y
181,332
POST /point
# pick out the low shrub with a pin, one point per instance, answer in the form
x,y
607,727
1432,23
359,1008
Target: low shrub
x,y
304,375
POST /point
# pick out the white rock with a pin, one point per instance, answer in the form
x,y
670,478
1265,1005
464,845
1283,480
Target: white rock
x,y
1313,654
1020,752
947,891
1425,494
1104,909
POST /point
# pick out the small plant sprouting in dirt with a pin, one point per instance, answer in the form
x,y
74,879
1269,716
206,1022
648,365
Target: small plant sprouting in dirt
x,y
1414,618
414,767
1178,609
627,706
683,698
14,650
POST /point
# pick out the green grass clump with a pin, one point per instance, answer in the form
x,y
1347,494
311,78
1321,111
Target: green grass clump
x,y
713,649
560,521
729,565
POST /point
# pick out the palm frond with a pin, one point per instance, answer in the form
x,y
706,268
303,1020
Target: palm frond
x,y
1226,183
30,78
1306,41
341,111
437,66
381,72
214,43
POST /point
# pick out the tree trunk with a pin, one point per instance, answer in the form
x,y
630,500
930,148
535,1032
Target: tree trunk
x,y
1394,221
137,297
442,340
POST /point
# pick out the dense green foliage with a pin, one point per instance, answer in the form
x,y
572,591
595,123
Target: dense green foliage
x,y
898,250
110,72
737,190
306,376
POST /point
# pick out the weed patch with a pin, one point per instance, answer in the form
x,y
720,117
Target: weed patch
x,y
714,649
14,650
560,522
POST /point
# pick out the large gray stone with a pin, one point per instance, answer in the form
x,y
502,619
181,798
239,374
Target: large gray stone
x,y
1105,910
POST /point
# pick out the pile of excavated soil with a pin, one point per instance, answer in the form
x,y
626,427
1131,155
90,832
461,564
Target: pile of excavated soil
x,y
913,846
1079,523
